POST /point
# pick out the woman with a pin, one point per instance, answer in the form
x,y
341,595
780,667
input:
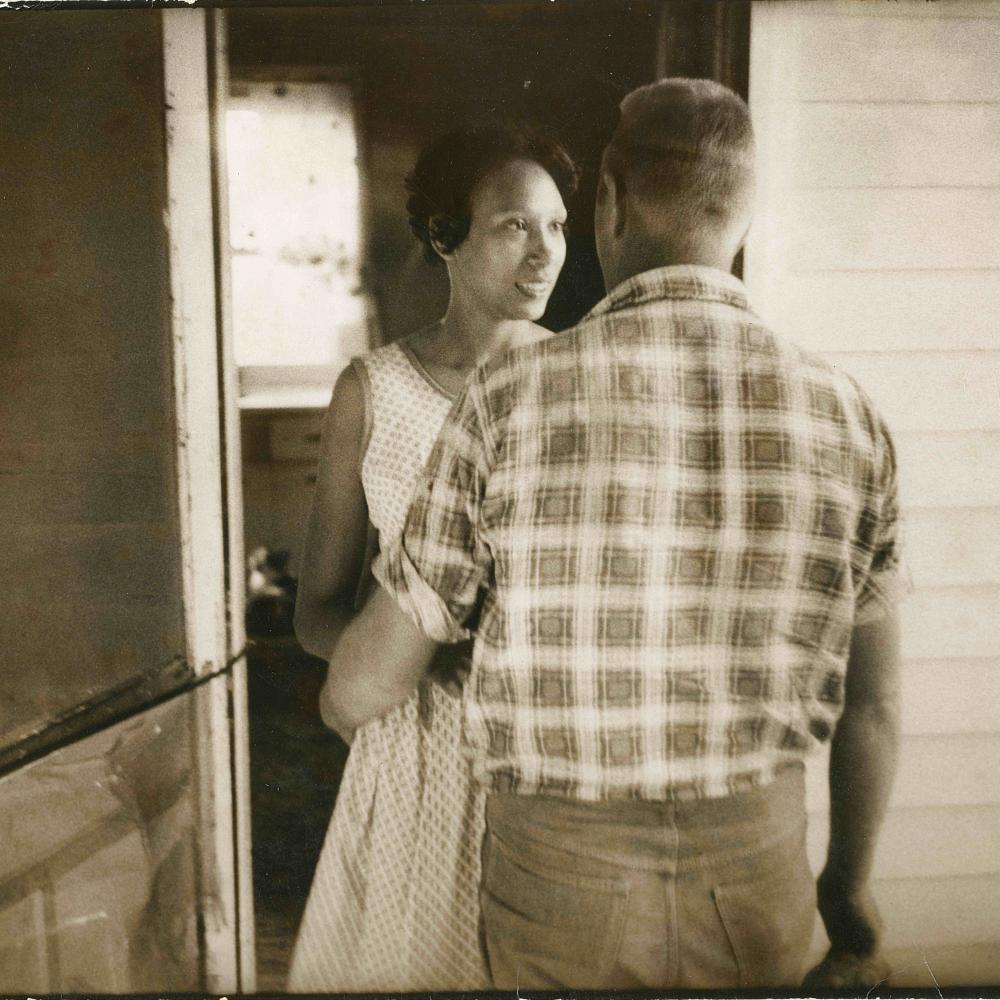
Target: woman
x,y
394,903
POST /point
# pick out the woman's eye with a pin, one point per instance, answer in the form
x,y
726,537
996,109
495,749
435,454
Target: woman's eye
x,y
559,227
517,225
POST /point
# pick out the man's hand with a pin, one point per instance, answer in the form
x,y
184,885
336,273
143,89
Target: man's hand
x,y
842,971
451,668
862,764
853,925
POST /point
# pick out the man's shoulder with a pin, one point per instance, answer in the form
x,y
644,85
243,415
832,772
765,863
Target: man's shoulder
x,y
518,362
832,393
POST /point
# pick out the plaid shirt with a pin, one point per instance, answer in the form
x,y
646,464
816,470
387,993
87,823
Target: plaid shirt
x,y
662,527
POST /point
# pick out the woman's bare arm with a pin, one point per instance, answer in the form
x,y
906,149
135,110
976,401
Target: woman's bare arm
x,y
358,685
336,537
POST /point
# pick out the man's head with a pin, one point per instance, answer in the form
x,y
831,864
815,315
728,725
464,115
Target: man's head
x,y
677,179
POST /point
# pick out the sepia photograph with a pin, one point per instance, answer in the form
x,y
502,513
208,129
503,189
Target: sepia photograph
x,y
501,497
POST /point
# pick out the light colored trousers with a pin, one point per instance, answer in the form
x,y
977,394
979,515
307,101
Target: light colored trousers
x,y
630,895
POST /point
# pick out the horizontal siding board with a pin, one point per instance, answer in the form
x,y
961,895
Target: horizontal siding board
x,y
927,9
959,770
879,140
949,469
952,548
896,145
948,622
930,966
838,58
930,391
939,910
895,311
925,918
950,696
946,840
910,229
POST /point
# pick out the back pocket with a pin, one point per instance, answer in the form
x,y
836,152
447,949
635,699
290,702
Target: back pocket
x,y
548,928
769,921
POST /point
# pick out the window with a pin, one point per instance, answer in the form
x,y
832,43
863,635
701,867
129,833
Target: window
x,y
295,237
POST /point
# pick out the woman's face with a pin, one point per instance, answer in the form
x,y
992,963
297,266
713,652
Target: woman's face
x,y
508,264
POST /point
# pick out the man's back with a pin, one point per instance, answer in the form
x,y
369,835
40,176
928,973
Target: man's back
x,y
674,536
686,516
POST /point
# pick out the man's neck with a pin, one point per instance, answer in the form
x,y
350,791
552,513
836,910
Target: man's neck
x,y
698,255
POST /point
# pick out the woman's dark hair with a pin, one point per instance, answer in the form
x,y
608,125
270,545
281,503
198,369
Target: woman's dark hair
x,y
452,165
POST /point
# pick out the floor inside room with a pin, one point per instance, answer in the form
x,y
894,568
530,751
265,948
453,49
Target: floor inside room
x,y
295,764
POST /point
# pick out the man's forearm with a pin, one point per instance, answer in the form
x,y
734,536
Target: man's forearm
x,y
375,666
863,759
862,767
318,626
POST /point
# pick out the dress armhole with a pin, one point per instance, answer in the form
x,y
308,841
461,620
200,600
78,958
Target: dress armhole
x,y
366,392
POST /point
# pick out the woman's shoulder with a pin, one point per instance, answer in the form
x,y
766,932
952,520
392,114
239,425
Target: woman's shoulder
x,y
383,356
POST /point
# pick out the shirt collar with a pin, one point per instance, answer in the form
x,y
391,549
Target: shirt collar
x,y
683,281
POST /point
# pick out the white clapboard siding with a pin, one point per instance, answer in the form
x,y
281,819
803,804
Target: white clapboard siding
x,y
876,244
928,9
877,311
943,910
926,918
951,621
949,468
930,390
871,145
928,966
951,696
934,770
839,58
952,548
915,841
868,229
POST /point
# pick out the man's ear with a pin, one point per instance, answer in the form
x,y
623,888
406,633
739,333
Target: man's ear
x,y
611,191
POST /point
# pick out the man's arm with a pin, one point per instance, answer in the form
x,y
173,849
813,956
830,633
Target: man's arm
x,y
377,662
863,757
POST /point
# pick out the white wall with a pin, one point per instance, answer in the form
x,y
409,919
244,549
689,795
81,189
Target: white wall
x,y
878,244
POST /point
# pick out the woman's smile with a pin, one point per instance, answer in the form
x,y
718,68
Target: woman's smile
x,y
535,288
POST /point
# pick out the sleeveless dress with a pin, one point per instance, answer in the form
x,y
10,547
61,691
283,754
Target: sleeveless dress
x,y
394,903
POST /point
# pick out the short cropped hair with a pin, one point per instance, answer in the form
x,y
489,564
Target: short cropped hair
x,y
448,170
686,143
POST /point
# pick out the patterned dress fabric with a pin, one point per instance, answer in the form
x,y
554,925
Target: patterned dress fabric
x,y
394,903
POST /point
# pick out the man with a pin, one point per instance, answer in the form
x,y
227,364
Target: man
x,y
673,536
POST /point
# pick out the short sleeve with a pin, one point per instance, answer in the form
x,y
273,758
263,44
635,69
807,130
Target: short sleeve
x,y
881,536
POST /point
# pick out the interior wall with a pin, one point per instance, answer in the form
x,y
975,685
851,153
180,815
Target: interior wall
x,y
89,528
876,245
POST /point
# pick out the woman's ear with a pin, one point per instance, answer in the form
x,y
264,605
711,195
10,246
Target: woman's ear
x,y
438,227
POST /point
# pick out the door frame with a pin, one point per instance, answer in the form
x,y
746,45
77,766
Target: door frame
x,y
208,466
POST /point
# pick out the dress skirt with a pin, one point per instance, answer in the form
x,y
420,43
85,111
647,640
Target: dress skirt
x,y
394,904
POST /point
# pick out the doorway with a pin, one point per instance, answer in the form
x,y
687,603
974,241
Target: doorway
x,y
314,283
